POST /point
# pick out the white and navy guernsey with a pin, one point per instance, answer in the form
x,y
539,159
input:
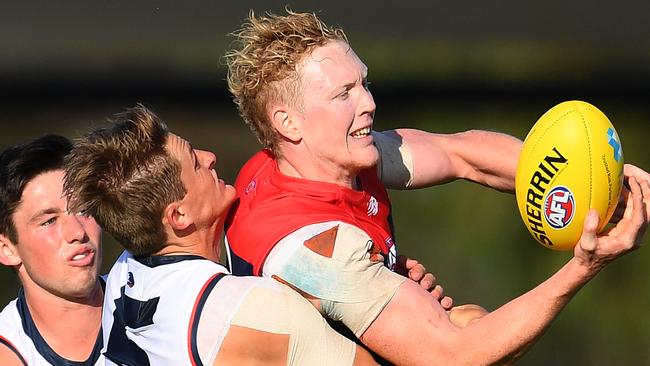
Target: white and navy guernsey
x,y
19,333
152,306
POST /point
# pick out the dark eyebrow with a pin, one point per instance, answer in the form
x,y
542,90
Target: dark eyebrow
x,y
43,212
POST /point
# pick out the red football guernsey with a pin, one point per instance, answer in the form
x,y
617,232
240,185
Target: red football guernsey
x,y
272,205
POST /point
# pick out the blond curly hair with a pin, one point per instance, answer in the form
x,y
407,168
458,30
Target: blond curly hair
x,y
263,64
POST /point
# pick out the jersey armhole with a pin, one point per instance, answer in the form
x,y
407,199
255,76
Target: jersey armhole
x,y
202,297
13,348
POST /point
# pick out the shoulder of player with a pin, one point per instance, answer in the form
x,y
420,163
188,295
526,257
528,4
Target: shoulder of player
x,y
242,344
257,302
253,167
10,321
336,230
349,231
249,312
9,354
321,237
270,219
11,335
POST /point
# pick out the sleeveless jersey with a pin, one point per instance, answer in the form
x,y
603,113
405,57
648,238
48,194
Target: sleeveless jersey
x,y
152,306
19,333
272,205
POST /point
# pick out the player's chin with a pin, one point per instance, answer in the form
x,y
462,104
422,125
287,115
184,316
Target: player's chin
x,y
229,193
83,285
226,198
367,157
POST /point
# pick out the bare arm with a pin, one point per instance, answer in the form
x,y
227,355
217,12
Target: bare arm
x,y
8,357
488,158
504,335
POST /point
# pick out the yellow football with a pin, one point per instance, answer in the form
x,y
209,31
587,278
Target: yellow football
x,y
571,161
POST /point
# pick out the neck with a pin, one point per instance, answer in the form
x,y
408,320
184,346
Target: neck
x,y
317,171
69,326
202,242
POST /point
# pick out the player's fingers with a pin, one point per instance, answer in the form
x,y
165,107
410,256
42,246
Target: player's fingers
x,y
645,191
410,263
620,207
638,217
446,302
417,272
588,240
438,292
630,170
635,191
427,282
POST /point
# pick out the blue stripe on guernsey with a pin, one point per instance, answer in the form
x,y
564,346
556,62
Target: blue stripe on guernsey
x,y
239,266
13,348
134,314
41,345
196,314
161,260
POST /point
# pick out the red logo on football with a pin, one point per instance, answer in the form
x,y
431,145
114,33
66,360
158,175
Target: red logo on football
x,y
559,207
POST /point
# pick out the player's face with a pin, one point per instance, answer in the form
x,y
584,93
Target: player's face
x,y
207,196
337,112
59,252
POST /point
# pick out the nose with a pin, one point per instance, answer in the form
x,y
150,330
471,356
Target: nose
x,y
207,158
73,229
367,103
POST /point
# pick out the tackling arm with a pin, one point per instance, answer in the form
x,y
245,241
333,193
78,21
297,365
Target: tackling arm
x,y
272,325
485,157
504,335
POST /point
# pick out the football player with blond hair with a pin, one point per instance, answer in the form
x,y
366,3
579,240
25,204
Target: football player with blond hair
x,y
313,208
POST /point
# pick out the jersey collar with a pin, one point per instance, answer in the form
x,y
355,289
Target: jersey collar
x,y
29,327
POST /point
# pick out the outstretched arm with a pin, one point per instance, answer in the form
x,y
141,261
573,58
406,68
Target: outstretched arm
x,y
415,271
504,335
413,158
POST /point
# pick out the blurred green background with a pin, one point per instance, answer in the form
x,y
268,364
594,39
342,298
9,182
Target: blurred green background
x,y
438,66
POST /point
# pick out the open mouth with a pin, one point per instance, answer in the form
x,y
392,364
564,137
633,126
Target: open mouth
x,y
361,133
81,256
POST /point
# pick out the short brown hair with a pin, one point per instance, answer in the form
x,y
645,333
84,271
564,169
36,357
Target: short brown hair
x,y
262,67
123,176
21,163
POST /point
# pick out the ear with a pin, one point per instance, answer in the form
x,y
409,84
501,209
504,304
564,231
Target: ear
x,y
176,216
287,122
9,256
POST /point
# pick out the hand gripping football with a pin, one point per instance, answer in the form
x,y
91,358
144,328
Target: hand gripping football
x,y
571,161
